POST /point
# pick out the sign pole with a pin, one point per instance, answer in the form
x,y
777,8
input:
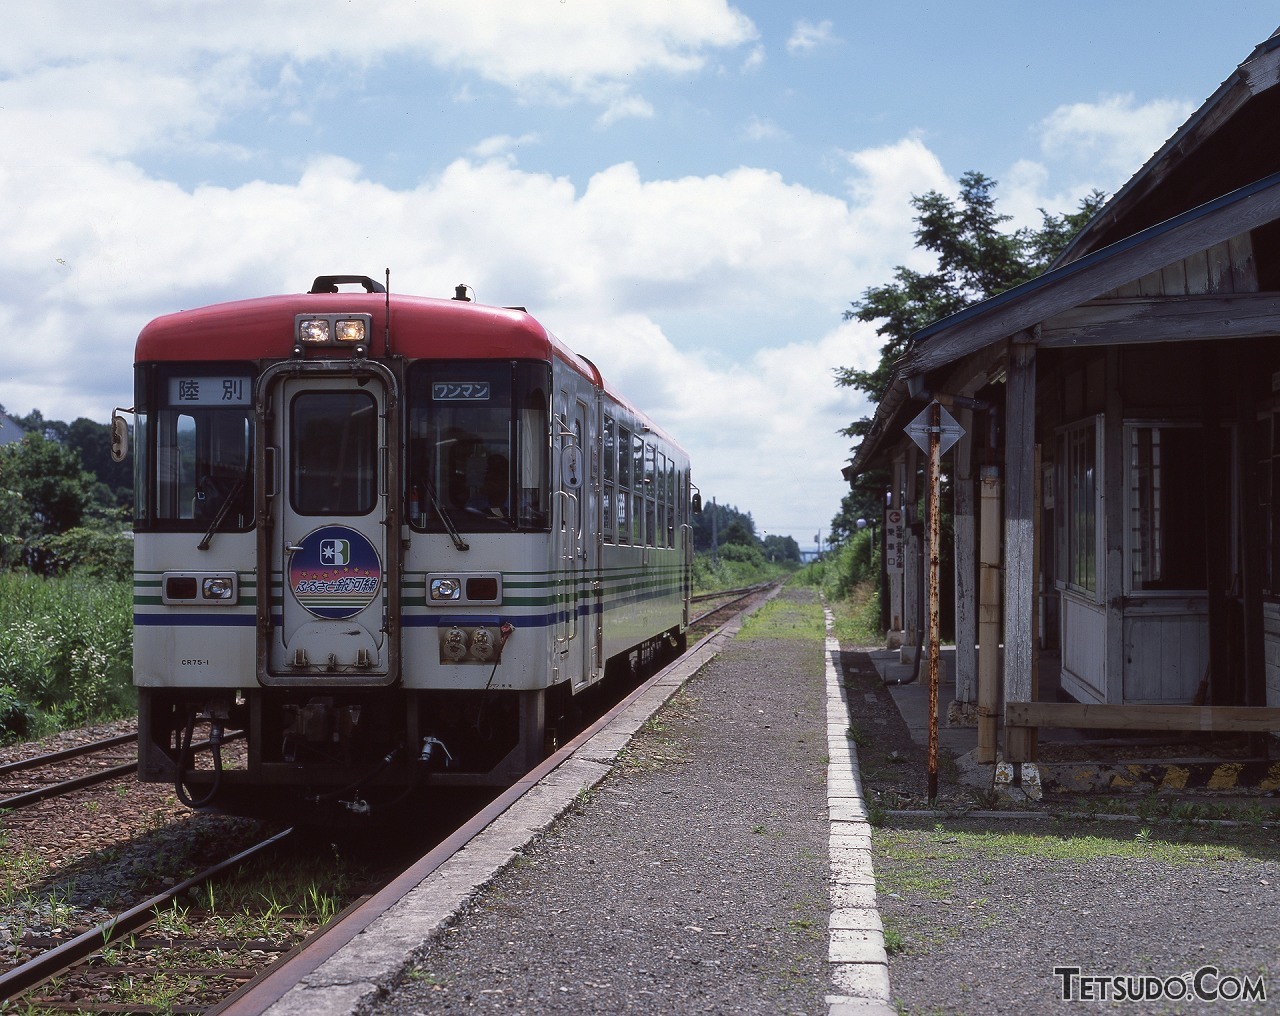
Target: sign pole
x,y
935,498
934,431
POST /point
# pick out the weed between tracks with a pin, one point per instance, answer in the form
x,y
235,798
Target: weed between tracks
x,y
197,949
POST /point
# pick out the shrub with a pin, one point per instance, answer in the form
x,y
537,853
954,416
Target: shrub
x,y
65,651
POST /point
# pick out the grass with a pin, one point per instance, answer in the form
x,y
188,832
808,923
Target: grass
x,y
857,618
66,648
786,619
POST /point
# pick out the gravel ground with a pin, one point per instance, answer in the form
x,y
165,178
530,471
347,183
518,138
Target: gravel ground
x,y
692,879
978,912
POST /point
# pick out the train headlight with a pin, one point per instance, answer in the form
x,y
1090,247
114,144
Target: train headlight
x,y
313,331
446,589
349,330
193,588
219,587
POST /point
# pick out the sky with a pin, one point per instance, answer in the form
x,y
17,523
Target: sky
x,y
688,192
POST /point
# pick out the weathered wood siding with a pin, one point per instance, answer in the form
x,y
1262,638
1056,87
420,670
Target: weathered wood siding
x,y
1166,650
1271,649
1084,648
1226,267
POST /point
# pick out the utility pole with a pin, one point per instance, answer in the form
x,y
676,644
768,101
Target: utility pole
x,y
715,534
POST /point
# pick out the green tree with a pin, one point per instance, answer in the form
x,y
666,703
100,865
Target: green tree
x,y
976,260
46,492
92,440
781,548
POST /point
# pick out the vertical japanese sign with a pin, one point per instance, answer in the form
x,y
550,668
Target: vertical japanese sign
x,y
893,541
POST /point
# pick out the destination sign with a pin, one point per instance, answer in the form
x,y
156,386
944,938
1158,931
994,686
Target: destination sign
x,y
210,391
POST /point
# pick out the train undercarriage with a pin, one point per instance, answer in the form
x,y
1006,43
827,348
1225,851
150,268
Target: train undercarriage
x,y
318,756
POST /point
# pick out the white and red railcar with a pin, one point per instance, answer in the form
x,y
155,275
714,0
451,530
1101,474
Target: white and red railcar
x,y
390,538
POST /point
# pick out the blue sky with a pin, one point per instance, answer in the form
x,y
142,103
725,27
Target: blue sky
x,y
689,193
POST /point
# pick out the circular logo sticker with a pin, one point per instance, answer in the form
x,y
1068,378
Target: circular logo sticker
x,y
335,573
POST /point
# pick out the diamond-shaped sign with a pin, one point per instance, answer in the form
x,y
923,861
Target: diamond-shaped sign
x,y
949,432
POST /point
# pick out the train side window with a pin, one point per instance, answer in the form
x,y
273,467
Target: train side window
x,y
671,503
479,445
637,490
610,452
624,485
650,497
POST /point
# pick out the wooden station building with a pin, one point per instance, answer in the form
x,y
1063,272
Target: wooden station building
x,y
1117,487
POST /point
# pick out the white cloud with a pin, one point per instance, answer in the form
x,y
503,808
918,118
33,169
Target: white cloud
x,y
807,36
566,52
504,145
763,129
1115,133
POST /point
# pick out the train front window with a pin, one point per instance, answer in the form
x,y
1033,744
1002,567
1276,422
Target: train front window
x,y
478,445
195,438
334,462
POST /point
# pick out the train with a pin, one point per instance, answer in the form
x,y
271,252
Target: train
x,y
391,543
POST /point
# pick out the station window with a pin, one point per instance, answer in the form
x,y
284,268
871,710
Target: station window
x,y
194,447
1077,522
1165,532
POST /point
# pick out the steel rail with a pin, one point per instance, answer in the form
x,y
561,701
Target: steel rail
x,y
67,786
31,797
29,975
36,761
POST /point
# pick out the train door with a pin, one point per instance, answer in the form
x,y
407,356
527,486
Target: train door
x,y
566,532
585,424
332,610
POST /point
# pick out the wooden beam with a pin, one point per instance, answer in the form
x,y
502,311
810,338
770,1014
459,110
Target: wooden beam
x,y
966,598
1164,319
1089,277
988,614
1142,717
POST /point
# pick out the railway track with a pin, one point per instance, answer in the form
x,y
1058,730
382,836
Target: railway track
x,y
85,972
39,777
99,941
29,781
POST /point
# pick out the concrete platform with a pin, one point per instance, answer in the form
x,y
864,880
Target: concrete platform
x,y
748,806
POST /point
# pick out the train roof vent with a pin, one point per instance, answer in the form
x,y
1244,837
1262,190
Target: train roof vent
x,y
330,283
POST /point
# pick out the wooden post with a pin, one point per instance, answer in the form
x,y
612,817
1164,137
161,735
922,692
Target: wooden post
x,y
912,622
988,615
896,623
935,535
965,571
1019,538
1111,562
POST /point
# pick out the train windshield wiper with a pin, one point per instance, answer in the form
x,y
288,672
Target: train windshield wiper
x,y
450,528
224,509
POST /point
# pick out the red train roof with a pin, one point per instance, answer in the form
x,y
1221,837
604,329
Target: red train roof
x,y
263,328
